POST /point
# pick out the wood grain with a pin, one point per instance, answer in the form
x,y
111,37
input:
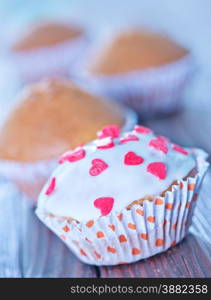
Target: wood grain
x,y
10,232
188,259
27,247
43,254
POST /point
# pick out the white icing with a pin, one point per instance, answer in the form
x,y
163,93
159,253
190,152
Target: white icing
x,y
76,190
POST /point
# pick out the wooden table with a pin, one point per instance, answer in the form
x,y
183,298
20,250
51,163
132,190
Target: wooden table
x,y
29,249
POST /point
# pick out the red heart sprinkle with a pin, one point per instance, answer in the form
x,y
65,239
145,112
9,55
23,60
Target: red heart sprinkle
x,y
98,166
133,159
142,129
105,204
51,187
158,169
179,149
107,145
128,138
72,156
111,130
159,144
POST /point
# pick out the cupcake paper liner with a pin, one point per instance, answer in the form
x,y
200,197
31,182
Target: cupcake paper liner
x,y
31,176
134,234
150,92
48,61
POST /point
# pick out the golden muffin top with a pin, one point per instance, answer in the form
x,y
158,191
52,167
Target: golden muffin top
x,y
136,50
46,34
51,117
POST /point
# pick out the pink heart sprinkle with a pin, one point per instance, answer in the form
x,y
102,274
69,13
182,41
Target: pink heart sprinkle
x,y
158,169
72,156
179,149
159,145
142,129
105,204
128,138
51,187
98,166
133,159
111,130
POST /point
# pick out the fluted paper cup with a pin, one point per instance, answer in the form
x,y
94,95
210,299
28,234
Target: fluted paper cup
x,y
150,92
31,176
49,61
134,234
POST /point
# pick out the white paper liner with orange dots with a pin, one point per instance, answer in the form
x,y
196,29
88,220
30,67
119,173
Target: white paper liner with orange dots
x,y
49,61
134,234
152,91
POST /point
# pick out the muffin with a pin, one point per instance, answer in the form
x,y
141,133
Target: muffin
x,y
146,70
123,197
47,48
50,117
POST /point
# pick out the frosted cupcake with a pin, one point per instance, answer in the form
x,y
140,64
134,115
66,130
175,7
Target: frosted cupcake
x,y
145,70
47,48
123,197
51,117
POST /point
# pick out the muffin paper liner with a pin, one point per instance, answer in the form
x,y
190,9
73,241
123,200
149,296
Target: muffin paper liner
x,y
31,176
150,92
48,61
134,234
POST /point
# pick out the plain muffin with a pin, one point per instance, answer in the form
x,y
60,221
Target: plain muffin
x,y
46,34
136,50
53,116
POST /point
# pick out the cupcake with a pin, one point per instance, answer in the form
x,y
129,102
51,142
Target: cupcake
x,y
49,118
123,198
47,49
146,70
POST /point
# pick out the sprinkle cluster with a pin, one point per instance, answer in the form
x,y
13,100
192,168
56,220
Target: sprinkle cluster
x,y
106,140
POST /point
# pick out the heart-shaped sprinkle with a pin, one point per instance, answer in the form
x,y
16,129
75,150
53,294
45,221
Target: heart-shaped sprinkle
x,y
105,143
133,159
105,204
51,187
158,169
129,138
72,156
98,166
142,129
111,130
179,149
159,145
